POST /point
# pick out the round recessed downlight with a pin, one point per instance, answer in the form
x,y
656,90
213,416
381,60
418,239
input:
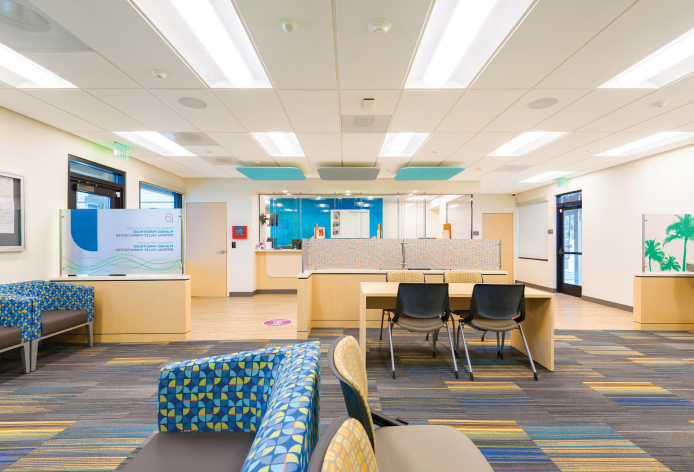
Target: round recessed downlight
x,y
380,26
660,104
191,102
160,74
21,17
543,103
289,25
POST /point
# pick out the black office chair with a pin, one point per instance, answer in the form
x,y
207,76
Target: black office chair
x,y
422,308
497,308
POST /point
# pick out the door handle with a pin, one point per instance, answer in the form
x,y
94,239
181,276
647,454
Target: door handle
x,y
223,251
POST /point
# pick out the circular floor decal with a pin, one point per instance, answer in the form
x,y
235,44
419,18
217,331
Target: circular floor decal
x,y
277,322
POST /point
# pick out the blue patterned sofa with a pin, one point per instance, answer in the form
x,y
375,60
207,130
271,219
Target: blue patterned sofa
x,y
43,309
255,411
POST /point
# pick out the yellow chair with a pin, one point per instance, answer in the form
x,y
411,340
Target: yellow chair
x,y
462,277
343,447
406,276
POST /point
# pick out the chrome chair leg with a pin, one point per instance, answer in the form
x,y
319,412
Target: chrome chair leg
x,y
467,355
498,346
532,364
434,337
390,341
450,341
34,348
503,339
484,333
383,317
25,351
90,334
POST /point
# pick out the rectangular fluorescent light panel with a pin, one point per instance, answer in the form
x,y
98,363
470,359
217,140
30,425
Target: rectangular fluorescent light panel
x,y
402,144
669,63
280,144
20,72
211,38
526,142
460,37
547,176
155,142
646,144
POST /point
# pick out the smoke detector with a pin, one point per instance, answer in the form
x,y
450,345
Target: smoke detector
x,y
379,26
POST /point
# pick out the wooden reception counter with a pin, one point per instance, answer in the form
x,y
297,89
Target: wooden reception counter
x,y
330,298
276,270
137,308
664,301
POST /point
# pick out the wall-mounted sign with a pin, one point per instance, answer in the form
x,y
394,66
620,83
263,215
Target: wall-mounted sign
x,y
121,151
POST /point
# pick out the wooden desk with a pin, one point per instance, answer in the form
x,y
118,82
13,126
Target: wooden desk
x,y
538,325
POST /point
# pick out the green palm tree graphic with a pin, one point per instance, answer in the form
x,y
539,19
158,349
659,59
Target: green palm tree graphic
x,y
653,252
682,229
669,263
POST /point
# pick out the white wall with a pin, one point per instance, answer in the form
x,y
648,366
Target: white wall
x,y
614,201
40,153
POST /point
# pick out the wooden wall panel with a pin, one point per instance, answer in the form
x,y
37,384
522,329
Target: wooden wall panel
x,y
500,226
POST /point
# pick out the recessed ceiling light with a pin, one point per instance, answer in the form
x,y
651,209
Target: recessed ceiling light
x,y
160,74
669,63
23,18
289,25
284,191
280,144
646,144
379,26
543,103
526,142
192,102
546,177
414,191
460,37
402,144
155,142
24,73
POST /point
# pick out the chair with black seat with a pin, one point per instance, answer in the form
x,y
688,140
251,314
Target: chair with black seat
x,y
397,446
397,276
497,308
463,277
422,308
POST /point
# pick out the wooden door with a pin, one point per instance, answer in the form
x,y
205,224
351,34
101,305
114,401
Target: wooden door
x,y
500,226
206,248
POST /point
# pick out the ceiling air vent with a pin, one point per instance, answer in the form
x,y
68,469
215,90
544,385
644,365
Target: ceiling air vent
x,y
189,139
223,160
365,123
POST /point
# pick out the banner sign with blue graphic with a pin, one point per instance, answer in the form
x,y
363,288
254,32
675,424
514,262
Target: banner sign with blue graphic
x,y
121,242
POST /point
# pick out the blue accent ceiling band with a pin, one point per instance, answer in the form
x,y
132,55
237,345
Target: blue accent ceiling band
x,y
428,173
272,173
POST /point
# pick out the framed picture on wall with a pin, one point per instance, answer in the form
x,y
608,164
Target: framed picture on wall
x,y
12,213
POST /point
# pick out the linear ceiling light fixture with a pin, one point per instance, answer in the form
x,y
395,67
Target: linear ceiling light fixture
x,y
155,142
547,176
460,37
669,63
27,70
280,144
526,142
646,144
402,144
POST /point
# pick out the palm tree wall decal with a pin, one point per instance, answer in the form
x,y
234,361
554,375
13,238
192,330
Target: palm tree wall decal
x,y
682,229
669,263
653,252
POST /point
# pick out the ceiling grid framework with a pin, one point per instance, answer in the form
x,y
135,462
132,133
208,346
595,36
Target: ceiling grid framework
x,y
559,50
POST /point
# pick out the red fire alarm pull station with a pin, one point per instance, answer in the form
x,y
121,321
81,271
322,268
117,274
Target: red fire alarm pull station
x,y
239,232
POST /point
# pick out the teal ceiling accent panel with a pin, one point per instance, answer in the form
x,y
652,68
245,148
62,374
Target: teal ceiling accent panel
x,y
272,173
348,173
428,173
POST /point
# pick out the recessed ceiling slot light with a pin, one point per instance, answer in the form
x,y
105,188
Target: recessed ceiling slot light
x,y
402,144
280,144
547,176
646,144
155,142
24,73
526,142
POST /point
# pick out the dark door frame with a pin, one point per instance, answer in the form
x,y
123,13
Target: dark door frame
x,y
113,190
569,289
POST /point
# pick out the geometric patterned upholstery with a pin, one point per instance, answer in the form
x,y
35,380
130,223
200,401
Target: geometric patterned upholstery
x,y
349,363
350,450
272,392
406,276
21,303
462,277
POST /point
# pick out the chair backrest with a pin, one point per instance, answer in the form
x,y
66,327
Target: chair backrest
x,y
422,300
498,301
343,447
462,277
347,364
411,276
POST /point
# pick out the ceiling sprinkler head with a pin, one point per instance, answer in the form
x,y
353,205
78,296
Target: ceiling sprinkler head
x,y
380,26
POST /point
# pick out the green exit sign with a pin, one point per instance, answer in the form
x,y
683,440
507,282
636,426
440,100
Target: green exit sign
x,y
121,151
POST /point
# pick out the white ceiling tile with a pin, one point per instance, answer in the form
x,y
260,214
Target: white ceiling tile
x,y
265,161
421,111
561,162
442,145
312,110
231,170
359,161
163,163
214,118
686,83
144,107
317,162
239,144
26,105
87,107
107,139
377,61
588,163
300,162
665,122
484,143
189,175
641,30
257,110
477,108
520,118
4,86
303,59
590,107
85,69
207,151
351,101
361,144
121,35
564,144
640,110
607,143
218,174
426,161
320,144
552,32
194,163
392,164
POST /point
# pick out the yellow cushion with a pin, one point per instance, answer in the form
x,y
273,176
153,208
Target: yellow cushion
x,y
349,364
350,450
462,277
407,276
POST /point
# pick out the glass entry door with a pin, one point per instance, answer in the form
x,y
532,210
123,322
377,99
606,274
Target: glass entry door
x,y
570,244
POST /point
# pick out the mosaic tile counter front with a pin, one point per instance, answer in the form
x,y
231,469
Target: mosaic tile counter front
x,y
434,254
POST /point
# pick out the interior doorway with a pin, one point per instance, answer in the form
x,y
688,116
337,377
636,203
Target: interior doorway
x,y
570,244
206,248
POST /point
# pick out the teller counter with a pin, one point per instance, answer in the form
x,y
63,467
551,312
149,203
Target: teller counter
x,y
664,301
276,270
